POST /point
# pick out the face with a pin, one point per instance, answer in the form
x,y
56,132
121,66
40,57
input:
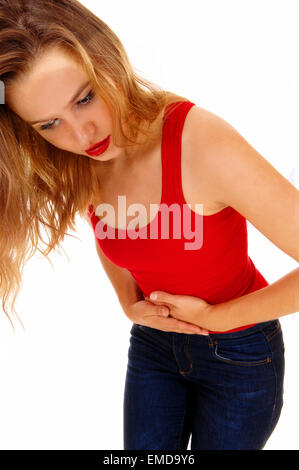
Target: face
x,y
44,99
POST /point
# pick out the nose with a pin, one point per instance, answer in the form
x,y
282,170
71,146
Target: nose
x,y
83,133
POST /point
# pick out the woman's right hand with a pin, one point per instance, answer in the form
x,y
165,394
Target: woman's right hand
x,y
149,314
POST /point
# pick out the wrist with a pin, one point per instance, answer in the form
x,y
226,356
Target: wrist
x,y
126,307
217,318
127,304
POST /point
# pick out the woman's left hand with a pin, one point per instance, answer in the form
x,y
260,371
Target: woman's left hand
x,y
185,307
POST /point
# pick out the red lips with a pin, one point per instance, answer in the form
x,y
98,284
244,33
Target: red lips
x,y
99,148
95,145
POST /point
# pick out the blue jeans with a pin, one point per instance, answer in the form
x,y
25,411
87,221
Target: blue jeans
x,y
225,390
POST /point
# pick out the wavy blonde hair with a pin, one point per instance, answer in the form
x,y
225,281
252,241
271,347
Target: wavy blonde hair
x,y
43,187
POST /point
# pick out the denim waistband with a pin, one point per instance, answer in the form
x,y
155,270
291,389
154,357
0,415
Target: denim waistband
x,y
248,331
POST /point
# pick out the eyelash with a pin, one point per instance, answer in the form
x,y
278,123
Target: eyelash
x,y
90,96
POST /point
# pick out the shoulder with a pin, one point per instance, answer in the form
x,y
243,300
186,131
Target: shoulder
x,y
208,139
243,179
205,130
203,136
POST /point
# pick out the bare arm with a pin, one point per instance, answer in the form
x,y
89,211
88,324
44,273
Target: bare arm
x,y
125,286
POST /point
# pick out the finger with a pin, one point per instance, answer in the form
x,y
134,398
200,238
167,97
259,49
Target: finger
x,y
164,311
193,329
165,297
188,326
157,310
179,326
204,332
157,302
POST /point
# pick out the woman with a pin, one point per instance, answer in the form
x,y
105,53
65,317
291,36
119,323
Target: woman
x,y
81,132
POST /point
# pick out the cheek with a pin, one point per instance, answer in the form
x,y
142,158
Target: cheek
x,y
57,141
100,114
99,119
47,137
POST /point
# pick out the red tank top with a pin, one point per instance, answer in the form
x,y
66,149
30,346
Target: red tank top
x,y
213,264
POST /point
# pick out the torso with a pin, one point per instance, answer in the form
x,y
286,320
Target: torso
x,y
142,183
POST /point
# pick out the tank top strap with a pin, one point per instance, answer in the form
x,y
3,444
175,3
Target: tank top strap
x,y
173,122
174,118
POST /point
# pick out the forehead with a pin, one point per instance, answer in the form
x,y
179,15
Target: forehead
x,y
46,88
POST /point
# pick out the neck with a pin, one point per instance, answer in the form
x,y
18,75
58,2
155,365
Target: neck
x,y
128,156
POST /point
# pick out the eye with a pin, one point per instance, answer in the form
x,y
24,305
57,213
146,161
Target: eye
x,y
88,98
85,101
46,126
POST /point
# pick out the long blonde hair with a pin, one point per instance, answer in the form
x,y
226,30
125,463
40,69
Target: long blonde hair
x,y
42,188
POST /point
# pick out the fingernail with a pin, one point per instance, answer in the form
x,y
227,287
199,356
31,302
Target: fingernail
x,y
153,296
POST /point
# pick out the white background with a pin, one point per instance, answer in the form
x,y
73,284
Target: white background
x,y
62,379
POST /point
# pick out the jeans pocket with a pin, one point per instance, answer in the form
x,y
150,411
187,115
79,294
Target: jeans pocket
x,y
271,329
250,350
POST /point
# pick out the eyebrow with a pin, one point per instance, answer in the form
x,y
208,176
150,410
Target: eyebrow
x,y
76,95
